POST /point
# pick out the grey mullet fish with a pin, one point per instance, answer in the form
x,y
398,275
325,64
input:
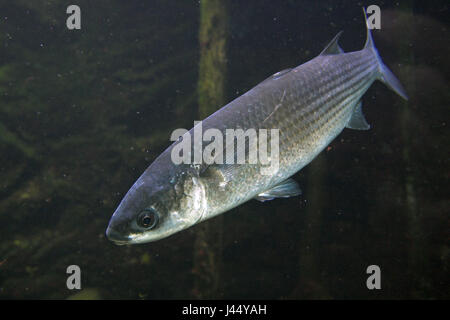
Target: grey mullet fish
x,y
310,105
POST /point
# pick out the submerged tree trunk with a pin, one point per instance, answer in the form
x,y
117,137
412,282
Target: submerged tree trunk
x,y
211,96
416,252
309,285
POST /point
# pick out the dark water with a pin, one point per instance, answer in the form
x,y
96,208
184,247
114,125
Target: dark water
x,y
84,112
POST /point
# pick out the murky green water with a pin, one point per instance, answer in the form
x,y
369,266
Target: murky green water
x,y
84,112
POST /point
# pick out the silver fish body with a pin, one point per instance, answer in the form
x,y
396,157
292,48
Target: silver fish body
x,y
309,105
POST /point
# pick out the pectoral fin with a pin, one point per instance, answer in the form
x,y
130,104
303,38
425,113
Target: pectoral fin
x,y
286,189
357,120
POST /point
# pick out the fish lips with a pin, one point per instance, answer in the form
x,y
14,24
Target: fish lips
x,y
117,237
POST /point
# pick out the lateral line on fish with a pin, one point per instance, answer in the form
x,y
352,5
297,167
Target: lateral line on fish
x,y
336,109
318,104
334,85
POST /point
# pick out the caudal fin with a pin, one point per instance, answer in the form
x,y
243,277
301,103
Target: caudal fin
x,y
386,76
391,81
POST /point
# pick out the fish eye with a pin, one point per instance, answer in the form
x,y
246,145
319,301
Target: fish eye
x,y
148,218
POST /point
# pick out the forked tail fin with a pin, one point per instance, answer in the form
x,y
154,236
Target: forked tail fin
x,y
386,76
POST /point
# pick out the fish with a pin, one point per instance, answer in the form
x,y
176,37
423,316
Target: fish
x,y
309,105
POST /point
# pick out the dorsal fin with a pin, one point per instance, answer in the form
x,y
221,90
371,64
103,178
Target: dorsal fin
x,y
333,46
277,75
280,73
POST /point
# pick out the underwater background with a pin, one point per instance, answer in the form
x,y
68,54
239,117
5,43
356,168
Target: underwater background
x,y
84,112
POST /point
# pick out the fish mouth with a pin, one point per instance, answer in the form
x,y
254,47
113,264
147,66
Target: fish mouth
x,y
117,237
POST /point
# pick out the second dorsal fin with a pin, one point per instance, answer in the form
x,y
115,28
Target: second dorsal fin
x,y
333,46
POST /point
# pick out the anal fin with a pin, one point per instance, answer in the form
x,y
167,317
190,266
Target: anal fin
x,y
357,120
285,189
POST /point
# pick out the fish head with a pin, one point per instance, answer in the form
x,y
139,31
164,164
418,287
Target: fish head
x,y
153,210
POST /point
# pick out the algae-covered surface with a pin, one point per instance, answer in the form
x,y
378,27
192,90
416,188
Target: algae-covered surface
x,y
84,112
